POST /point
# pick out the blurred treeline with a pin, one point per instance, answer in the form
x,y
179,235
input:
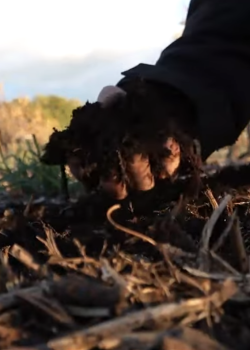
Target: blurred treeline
x,y
23,117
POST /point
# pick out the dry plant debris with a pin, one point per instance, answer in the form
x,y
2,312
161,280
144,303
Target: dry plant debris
x,y
157,271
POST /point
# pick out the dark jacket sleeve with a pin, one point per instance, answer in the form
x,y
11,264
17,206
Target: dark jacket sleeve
x,y
210,63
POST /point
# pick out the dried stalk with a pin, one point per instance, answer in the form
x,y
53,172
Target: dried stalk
x,y
86,339
125,229
239,247
212,200
203,256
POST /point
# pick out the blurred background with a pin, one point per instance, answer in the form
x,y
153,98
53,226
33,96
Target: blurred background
x,y
72,48
57,54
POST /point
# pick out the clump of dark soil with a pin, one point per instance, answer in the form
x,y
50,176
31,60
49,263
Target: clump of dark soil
x,y
152,271
105,139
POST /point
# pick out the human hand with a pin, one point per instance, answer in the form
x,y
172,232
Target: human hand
x,y
127,142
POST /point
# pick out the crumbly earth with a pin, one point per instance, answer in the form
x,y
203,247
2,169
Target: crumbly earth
x,y
69,271
132,143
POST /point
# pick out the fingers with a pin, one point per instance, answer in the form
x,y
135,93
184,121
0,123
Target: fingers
x,y
172,162
114,187
138,171
138,177
75,168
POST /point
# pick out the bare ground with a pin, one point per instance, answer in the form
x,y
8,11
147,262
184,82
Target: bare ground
x,y
154,271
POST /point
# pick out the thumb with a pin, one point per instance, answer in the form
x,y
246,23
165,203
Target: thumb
x,y
109,94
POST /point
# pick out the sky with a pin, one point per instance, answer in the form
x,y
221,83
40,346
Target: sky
x,y
73,48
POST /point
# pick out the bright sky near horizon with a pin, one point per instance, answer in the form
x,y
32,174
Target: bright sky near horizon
x,y
47,31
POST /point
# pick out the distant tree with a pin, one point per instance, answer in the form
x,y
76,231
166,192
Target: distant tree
x,y
22,117
55,107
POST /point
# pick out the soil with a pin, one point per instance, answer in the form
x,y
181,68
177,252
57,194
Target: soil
x,y
156,270
105,140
